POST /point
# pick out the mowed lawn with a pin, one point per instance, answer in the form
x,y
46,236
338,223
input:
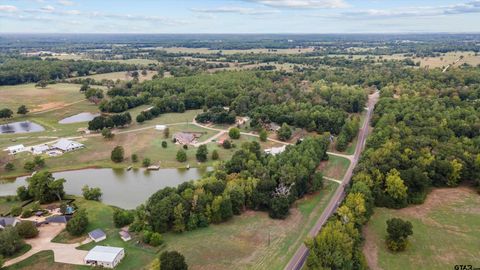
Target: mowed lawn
x,y
100,216
335,167
251,240
445,233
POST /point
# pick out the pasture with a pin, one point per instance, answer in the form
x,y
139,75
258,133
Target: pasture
x,y
252,51
120,75
445,232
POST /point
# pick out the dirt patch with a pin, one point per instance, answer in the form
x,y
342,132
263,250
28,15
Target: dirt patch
x,y
437,197
370,248
48,106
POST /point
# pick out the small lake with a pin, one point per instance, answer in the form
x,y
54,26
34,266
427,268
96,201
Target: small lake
x,y
20,127
125,189
78,118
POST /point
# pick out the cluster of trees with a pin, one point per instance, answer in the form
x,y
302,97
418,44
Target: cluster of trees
x,y
78,224
110,121
42,187
217,115
348,132
92,194
425,134
27,70
6,113
249,180
121,104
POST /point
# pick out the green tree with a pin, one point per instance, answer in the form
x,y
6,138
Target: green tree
x,y
215,155
156,239
146,162
134,158
285,132
179,218
172,260
22,110
9,166
164,144
263,135
454,176
227,144
234,133
181,155
117,154
77,225
43,187
279,207
122,217
395,186
29,166
6,113
202,153
398,231
107,133
10,241
27,229
92,194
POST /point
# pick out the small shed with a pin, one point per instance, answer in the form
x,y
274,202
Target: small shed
x,y
160,127
103,256
16,149
125,236
97,235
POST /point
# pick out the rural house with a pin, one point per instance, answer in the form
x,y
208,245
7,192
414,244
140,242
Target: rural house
x,y
97,235
8,221
40,149
183,138
16,149
103,256
67,145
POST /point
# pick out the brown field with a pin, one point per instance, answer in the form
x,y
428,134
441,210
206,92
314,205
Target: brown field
x,y
208,51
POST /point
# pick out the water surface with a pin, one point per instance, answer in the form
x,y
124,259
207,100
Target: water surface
x,y
78,118
125,189
20,127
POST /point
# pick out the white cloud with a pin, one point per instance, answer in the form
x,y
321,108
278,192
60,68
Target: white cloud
x,y
48,9
302,4
238,10
462,8
66,2
8,8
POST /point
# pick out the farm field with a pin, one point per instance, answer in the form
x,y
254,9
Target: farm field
x,y
209,51
445,232
120,75
135,61
244,240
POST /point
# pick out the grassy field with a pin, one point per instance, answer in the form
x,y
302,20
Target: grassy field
x,y
335,167
251,240
121,75
6,204
37,98
445,233
135,61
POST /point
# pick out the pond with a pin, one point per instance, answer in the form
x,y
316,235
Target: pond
x,y
78,118
20,127
125,189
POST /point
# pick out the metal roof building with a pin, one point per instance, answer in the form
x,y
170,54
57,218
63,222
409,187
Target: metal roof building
x,y
104,256
97,235
67,145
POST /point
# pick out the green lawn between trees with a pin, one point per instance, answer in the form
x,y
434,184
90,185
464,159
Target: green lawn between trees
x,y
242,240
445,233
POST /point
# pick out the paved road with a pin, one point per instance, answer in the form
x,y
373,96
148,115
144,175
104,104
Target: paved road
x,y
298,260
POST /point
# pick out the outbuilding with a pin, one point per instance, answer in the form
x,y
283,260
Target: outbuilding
x,y
97,235
275,150
160,127
40,149
8,221
125,236
103,256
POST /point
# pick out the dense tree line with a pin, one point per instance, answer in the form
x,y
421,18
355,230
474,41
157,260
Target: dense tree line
x,y
217,115
250,180
28,70
110,121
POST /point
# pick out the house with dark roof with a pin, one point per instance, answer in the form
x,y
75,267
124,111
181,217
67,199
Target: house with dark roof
x,y
183,138
125,236
8,221
97,235
58,219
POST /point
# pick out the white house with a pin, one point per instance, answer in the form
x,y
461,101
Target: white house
x,y
67,145
16,149
40,149
103,256
8,221
275,150
160,127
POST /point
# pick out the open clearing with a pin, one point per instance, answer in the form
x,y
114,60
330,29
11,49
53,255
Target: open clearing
x,y
445,232
335,167
257,51
244,240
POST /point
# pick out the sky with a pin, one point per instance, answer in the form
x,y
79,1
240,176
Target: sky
x,y
239,16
